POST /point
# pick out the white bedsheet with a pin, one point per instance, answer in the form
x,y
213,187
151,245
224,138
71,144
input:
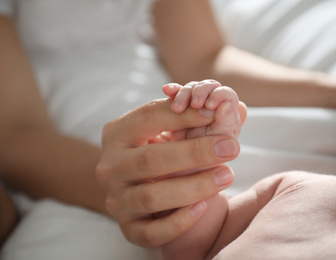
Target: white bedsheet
x,y
283,139
273,140
54,231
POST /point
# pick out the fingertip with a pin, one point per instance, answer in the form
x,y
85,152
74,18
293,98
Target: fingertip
x,y
210,104
224,177
242,112
227,148
195,102
165,89
171,89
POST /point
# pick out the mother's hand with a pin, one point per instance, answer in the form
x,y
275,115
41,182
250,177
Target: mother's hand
x,y
136,158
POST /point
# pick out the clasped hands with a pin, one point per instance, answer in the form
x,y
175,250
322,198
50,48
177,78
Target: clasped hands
x,y
285,216
137,158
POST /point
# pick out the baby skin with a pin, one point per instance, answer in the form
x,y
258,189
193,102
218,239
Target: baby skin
x,y
208,96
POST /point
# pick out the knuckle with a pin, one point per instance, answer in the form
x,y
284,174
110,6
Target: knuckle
x,y
229,92
147,161
111,206
148,198
103,172
149,110
144,237
204,188
199,154
150,238
107,130
211,82
192,83
178,226
130,234
186,89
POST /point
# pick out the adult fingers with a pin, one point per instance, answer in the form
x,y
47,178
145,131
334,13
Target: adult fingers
x,y
178,192
160,159
148,121
153,233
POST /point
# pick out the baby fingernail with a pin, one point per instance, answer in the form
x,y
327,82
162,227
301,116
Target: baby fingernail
x,y
210,103
176,103
226,148
195,99
228,113
223,177
198,209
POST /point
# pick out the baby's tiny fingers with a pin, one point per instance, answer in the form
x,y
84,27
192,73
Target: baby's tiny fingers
x,y
201,92
171,89
227,120
242,112
182,99
160,231
220,95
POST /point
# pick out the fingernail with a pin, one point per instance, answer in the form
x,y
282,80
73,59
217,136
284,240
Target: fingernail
x,y
176,103
226,148
210,103
223,177
228,114
172,86
228,109
207,113
195,99
198,209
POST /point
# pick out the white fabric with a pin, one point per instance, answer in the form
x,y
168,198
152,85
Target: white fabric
x,y
92,67
298,33
54,231
6,7
283,139
90,59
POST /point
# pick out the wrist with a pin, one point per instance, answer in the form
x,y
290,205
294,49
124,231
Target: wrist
x,y
325,89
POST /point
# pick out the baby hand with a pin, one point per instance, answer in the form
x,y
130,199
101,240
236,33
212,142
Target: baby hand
x,y
208,95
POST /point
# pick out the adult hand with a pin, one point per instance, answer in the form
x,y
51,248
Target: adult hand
x,y
136,160
293,218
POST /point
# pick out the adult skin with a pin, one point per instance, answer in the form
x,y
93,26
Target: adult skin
x,y
41,162
37,160
135,164
8,215
27,132
195,48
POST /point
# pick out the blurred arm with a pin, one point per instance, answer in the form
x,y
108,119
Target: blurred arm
x,y
34,157
193,48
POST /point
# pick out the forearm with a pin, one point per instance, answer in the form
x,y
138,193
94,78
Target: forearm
x,y
259,82
47,164
34,157
195,49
